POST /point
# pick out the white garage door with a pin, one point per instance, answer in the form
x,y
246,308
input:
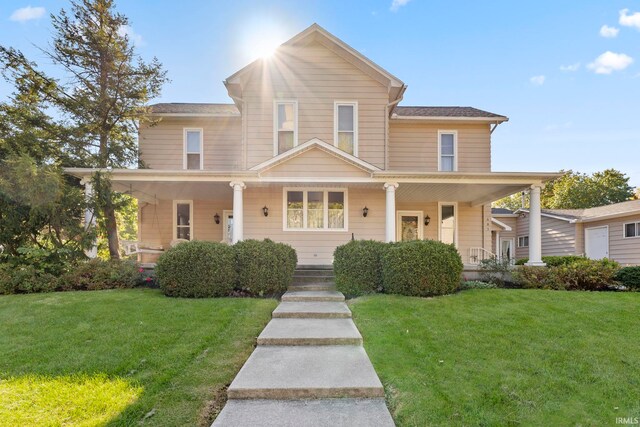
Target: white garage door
x,y
597,242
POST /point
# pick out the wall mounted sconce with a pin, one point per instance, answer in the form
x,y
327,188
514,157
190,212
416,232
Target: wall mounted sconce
x,y
365,211
427,220
265,211
216,218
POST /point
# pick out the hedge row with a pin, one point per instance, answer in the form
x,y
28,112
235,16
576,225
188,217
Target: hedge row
x,y
581,274
201,269
554,260
416,268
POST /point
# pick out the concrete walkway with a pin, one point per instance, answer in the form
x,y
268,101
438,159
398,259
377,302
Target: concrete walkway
x,y
309,368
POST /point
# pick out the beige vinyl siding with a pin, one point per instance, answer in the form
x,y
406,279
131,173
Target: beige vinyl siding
x,y
625,251
161,145
558,237
315,163
413,146
315,77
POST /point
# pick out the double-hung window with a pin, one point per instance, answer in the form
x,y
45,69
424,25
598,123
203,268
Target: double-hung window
x,y
447,151
183,219
346,127
285,126
315,209
632,229
193,158
448,226
523,241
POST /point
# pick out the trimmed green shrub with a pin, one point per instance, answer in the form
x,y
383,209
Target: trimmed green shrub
x,y
25,279
421,268
197,269
264,266
580,274
476,284
496,271
97,274
358,267
537,278
629,277
554,260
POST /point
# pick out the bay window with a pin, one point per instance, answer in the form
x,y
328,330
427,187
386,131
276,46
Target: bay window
x,y
315,209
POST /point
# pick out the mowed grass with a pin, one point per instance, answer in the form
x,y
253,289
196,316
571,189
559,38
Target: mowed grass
x,y
506,357
121,357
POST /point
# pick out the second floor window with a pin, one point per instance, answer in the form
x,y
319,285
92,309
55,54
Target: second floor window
x,y
193,149
286,126
346,127
447,149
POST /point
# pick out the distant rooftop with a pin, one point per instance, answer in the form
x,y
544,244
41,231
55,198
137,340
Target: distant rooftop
x,y
469,112
501,211
630,206
188,108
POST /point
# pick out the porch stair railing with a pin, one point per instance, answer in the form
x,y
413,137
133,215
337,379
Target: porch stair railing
x,y
477,255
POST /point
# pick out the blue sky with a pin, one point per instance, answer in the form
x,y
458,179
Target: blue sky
x,y
542,63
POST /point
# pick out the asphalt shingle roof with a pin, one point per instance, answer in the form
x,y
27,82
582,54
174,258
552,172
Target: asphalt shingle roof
x,y
444,112
630,207
501,211
194,108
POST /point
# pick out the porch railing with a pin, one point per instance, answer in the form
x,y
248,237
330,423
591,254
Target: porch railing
x,y
477,255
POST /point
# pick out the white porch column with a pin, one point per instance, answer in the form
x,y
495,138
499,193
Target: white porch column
x,y
390,227
535,228
89,217
238,210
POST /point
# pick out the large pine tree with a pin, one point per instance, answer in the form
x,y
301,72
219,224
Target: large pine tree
x,y
102,95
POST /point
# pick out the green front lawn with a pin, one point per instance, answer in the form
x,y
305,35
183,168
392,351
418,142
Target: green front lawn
x,y
119,357
506,357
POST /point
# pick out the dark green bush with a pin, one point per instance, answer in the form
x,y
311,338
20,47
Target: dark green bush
x,y
97,274
421,268
629,277
496,271
476,284
580,274
25,279
358,267
197,269
264,266
554,260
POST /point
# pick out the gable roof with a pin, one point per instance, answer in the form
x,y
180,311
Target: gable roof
x,y
316,33
445,113
194,109
630,207
312,144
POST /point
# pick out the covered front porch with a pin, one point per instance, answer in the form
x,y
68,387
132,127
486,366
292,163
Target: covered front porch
x,y
315,215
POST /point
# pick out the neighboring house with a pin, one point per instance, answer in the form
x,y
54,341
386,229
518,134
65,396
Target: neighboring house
x,y
315,151
611,231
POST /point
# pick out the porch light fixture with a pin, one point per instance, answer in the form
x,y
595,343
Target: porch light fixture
x,y
216,218
265,211
427,220
365,211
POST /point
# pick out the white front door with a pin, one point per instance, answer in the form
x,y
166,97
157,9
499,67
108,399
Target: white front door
x,y
597,242
506,249
409,225
227,227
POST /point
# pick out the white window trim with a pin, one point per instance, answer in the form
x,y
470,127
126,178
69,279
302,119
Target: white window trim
x,y
277,102
624,230
455,149
522,236
184,146
175,218
326,191
400,214
336,104
456,215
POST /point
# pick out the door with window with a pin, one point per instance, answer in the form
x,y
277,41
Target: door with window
x,y
409,226
227,227
506,249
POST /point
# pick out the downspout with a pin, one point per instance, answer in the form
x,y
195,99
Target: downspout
x,y
387,113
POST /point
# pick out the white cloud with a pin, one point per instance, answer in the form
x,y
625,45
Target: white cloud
x,y
28,13
609,62
627,20
570,67
134,37
537,80
397,4
609,32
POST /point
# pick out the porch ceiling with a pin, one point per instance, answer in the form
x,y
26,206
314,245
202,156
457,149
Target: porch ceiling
x,y
475,194
151,192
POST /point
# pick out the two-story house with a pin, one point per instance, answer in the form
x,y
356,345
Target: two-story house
x,y
315,151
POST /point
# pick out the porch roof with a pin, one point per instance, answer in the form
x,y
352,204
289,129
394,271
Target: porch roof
x,y
476,188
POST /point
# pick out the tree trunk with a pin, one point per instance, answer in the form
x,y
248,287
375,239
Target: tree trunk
x,y
112,229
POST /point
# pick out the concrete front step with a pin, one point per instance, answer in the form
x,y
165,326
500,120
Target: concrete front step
x,y
301,279
313,272
306,372
313,296
310,332
314,310
313,287
310,413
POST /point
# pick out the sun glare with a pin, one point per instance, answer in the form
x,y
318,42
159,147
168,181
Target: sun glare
x,y
262,37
